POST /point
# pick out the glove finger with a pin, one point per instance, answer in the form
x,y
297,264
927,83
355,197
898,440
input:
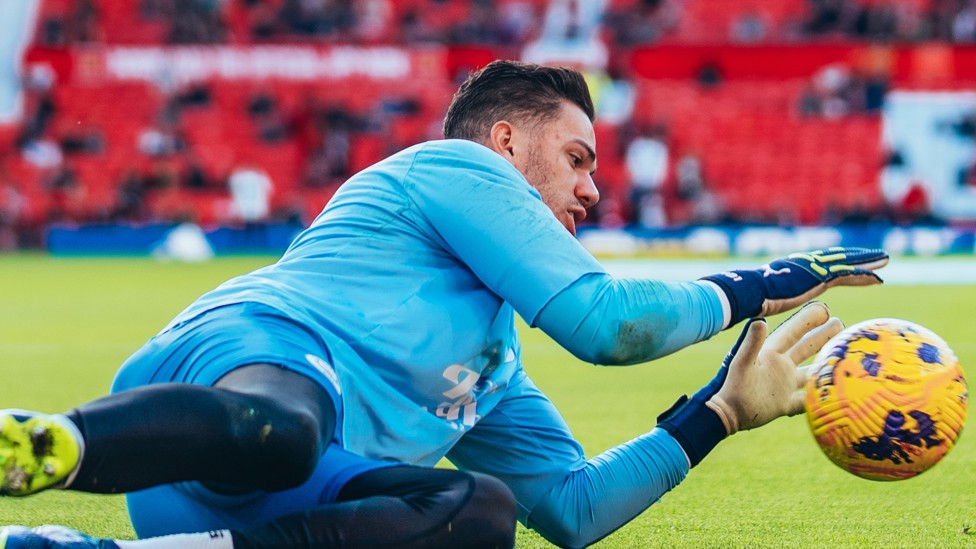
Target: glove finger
x,y
852,277
749,344
803,375
814,340
867,258
786,335
854,255
796,403
738,342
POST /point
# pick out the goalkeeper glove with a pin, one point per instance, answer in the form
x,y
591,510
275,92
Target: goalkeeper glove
x,y
797,278
758,382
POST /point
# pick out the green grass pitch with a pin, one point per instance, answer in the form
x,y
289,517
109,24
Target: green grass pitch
x,y
66,324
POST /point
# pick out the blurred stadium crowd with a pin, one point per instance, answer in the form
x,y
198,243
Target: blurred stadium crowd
x,y
754,111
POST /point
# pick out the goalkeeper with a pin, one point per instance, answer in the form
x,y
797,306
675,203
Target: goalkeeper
x,y
306,403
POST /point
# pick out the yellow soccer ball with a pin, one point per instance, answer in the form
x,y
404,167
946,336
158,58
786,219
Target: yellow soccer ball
x,y
887,399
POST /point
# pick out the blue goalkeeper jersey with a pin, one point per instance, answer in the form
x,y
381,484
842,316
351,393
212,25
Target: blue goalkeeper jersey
x,y
412,274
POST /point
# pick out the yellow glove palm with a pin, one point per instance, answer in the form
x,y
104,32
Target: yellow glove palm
x,y
764,381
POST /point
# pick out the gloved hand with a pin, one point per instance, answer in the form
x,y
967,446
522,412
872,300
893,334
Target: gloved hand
x,y
758,382
797,278
763,380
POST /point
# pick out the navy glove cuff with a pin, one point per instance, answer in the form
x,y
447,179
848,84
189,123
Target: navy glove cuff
x,y
694,425
745,291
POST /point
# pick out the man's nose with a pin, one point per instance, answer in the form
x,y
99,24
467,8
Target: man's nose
x,y
586,192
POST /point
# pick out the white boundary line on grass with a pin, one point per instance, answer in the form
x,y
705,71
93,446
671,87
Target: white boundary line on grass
x,y
900,271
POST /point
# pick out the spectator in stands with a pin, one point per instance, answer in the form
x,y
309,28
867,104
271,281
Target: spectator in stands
x,y
43,153
826,16
163,174
876,23
83,141
336,145
51,33
164,198
67,195
749,27
84,26
196,22
196,94
641,22
478,28
312,17
250,193
569,20
263,24
614,94
836,91
130,201
515,22
33,141
157,141
371,20
329,159
40,116
964,23
72,22
828,94
194,173
647,161
697,202
13,207
414,28
261,103
272,124
153,10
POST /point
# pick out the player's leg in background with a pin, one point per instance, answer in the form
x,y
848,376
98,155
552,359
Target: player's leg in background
x,y
260,427
390,506
399,507
402,507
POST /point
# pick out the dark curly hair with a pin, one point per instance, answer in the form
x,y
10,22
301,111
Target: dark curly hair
x,y
514,91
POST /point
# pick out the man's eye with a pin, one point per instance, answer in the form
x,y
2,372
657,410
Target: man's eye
x,y
577,161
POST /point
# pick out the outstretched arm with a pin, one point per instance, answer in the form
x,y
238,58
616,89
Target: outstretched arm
x,y
500,229
610,321
790,281
758,382
624,321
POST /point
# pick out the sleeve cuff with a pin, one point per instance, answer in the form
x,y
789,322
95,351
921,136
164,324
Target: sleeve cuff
x,y
696,427
722,299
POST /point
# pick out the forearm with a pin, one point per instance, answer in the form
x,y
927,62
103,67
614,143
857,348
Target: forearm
x,y
610,490
607,321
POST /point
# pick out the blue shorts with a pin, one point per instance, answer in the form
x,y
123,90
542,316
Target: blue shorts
x,y
202,350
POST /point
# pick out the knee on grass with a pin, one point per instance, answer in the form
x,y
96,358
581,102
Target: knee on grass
x,y
490,513
278,444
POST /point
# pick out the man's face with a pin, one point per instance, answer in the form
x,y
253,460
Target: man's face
x,y
558,158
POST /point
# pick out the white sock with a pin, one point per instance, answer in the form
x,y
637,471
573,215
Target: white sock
x,y
215,539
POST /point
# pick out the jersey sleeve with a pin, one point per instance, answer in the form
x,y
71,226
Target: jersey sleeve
x,y
487,215
481,209
610,321
570,500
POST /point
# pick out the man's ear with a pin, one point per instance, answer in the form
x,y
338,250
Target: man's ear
x,y
501,140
